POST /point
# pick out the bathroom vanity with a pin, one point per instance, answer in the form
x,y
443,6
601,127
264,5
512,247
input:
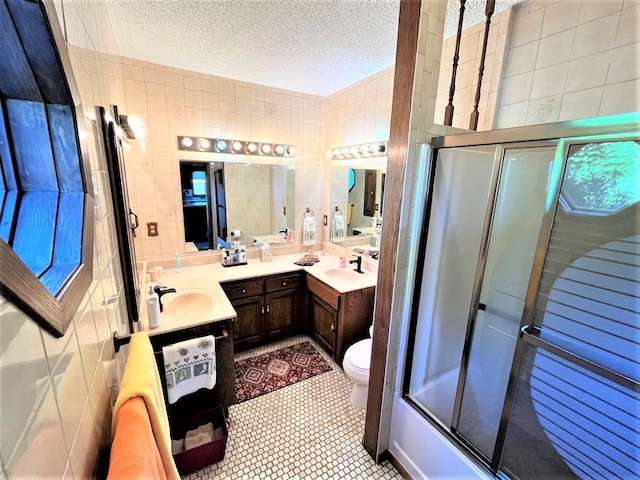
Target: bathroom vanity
x,y
338,320
268,308
223,394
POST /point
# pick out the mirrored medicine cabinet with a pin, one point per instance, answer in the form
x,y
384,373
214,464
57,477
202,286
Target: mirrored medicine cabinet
x,y
243,202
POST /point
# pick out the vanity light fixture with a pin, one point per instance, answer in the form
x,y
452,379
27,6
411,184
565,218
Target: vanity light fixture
x,y
375,149
265,148
239,147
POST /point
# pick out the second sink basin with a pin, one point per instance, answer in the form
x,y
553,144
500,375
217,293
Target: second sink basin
x,y
190,303
344,274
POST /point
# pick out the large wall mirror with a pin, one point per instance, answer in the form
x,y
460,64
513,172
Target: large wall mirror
x,y
245,202
357,191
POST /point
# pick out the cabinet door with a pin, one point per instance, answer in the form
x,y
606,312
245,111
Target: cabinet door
x,y
280,311
325,322
247,325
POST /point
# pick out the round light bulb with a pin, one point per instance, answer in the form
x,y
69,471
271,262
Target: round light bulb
x,y
236,146
362,149
373,147
252,148
221,145
291,151
279,149
205,143
187,142
353,151
266,148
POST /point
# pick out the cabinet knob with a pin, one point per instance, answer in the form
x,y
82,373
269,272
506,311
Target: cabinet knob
x,y
262,309
244,290
284,284
333,327
267,308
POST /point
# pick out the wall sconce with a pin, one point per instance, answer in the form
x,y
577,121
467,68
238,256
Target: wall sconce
x,y
133,126
375,149
239,147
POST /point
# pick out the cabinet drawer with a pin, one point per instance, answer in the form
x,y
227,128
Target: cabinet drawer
x,y
243,289
283,282
323,291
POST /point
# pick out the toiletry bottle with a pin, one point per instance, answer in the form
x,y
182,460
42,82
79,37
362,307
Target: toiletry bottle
x,y
153,308
343,261
178,264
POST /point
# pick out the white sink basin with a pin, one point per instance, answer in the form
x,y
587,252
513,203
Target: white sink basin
x,y
191,303
344,274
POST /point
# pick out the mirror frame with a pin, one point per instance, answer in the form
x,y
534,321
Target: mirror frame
x,y
18,284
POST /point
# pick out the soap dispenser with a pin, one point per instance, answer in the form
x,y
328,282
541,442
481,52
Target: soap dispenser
x,y
153,308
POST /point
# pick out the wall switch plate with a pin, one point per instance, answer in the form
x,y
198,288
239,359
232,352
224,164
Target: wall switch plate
x,y
152,229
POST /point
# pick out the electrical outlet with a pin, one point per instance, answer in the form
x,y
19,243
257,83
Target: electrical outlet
x,y
325,220
152,229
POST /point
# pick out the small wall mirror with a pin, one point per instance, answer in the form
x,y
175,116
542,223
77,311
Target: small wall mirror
x,y
243,202
357,190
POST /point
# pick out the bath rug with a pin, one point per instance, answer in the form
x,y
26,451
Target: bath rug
x,y
272,371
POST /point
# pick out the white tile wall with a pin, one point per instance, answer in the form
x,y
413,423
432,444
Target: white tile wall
x,y
582,50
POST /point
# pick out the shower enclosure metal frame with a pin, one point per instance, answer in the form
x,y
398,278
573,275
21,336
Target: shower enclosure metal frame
x,y
562,135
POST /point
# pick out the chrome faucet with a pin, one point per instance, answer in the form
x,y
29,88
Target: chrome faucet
x,y
358,262
285,231
163,291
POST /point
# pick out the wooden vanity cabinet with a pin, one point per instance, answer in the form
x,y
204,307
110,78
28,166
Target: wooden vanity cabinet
x,y
224,393
338,320
268,308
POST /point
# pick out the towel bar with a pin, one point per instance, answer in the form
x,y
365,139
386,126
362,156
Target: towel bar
x,y
119,341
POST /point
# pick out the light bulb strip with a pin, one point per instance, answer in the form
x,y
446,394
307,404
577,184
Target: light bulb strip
x,y
363,150
235,147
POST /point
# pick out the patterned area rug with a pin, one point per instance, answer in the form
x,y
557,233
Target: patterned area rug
x,y
271,371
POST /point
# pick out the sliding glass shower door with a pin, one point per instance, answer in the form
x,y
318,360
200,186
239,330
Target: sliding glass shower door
x,y
525,330
502,279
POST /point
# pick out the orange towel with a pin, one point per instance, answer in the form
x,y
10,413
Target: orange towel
x,y
134,453
141,379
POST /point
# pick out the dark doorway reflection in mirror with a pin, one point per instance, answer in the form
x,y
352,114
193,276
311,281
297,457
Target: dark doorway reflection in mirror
x,y
203,204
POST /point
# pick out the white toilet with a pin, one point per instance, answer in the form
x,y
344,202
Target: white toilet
x,y
357,360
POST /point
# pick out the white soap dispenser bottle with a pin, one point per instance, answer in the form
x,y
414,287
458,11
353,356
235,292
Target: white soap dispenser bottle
x,y
153,308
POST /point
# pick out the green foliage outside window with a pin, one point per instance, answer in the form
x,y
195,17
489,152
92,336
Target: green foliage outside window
x,y
602,178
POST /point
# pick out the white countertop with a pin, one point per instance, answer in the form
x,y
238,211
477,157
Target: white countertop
x,y
206,279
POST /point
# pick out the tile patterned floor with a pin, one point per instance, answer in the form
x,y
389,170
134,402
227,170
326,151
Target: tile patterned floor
x,y
308,430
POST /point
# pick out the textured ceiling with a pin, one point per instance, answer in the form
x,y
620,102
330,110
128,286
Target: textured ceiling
x,y
309,46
